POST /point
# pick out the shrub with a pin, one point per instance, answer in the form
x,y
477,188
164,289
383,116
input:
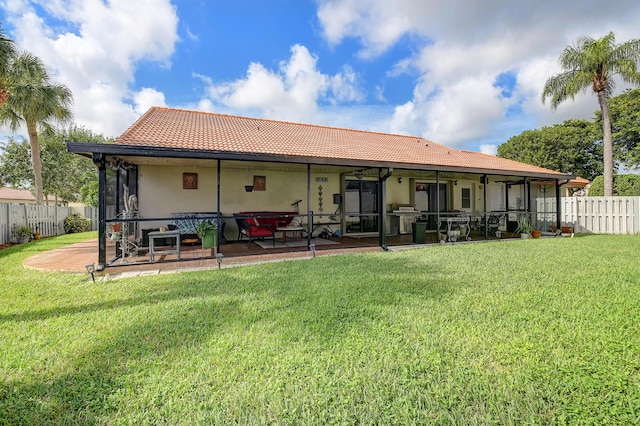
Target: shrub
x,y
23,231
76,223
623,185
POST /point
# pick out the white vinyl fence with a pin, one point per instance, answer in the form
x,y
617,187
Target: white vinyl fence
x,y
47,220
598,215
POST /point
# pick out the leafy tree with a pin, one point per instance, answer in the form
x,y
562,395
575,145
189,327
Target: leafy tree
x,y
623,185
64,174
35,101
573,146
15,169
594,63
89,191
624,111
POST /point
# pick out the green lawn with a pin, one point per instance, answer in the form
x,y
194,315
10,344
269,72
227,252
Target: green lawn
x,y
519,332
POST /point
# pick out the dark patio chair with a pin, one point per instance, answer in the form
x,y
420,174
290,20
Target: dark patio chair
x,y
249,227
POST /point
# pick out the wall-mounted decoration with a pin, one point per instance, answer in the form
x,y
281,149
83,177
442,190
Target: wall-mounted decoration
x,y
189,181
259,183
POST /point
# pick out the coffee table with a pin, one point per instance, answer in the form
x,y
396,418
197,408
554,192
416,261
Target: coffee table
x,y
292,229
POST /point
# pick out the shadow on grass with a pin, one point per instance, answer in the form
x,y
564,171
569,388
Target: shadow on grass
x,y
313,301
98,380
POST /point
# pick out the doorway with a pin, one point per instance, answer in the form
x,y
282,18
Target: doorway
x,y
361,206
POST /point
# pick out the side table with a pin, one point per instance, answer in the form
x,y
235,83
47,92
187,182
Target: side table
x,y
167,234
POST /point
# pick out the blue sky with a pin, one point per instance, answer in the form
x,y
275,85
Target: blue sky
x,y
464,73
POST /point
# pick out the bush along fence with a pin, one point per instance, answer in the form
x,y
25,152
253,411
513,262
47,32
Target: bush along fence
x,y
47,221
597,215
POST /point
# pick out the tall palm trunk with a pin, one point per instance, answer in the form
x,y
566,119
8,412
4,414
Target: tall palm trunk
x,y
607,142
35,160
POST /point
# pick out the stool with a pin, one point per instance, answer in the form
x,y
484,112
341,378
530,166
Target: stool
x,y
191,242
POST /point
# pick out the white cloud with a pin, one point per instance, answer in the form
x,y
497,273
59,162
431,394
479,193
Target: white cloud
x,y
451,114
293,92
146,98
96,51
464,46
489,149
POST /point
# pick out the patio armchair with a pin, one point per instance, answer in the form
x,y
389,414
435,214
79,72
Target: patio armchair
x,y
252,229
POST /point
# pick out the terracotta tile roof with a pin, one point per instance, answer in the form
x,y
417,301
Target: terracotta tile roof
x,y
193,130
20,195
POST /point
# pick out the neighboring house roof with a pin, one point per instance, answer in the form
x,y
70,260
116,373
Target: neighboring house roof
x,y
578,182
168,132
19,195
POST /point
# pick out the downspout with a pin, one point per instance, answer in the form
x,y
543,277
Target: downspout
x,y
98,160
382,202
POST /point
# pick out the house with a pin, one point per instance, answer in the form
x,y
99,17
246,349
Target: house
x,y
176,163
21,196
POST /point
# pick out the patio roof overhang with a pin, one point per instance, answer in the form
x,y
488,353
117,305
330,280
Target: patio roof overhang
x,y
129,152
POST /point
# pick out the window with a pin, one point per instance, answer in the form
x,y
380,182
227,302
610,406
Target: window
x,y
466,198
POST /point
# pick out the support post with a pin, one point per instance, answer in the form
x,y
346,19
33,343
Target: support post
x,y
99,161
437,206
219,214
558,209
484,199
382,202
309,212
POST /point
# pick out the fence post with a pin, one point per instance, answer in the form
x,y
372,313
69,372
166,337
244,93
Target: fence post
x,y
576,217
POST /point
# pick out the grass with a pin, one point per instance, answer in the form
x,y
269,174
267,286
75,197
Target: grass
x,y
520,332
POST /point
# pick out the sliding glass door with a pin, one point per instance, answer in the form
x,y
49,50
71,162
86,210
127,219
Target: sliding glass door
x,y
428,198
361,202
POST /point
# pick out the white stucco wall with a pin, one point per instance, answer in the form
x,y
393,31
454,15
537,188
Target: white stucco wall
x,y
161,192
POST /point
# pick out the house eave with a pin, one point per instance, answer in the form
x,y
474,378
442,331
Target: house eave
x,y
124,151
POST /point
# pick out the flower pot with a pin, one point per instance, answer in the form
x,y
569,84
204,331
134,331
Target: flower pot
x,y
210,239
536,233
567,229
22,240
525,236
248,188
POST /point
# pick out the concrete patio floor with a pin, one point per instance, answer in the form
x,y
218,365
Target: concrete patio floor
x,y
74,258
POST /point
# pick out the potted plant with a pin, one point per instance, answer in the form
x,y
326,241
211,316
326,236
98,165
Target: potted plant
x,y
525,227
208,233
23,234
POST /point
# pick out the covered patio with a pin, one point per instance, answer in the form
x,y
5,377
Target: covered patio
x,y
342,189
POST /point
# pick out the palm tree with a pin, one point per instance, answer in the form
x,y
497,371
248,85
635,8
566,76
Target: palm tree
x,y
34,101
594,63
7,51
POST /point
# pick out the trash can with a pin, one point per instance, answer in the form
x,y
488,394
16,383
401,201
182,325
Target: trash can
x,y
419,230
